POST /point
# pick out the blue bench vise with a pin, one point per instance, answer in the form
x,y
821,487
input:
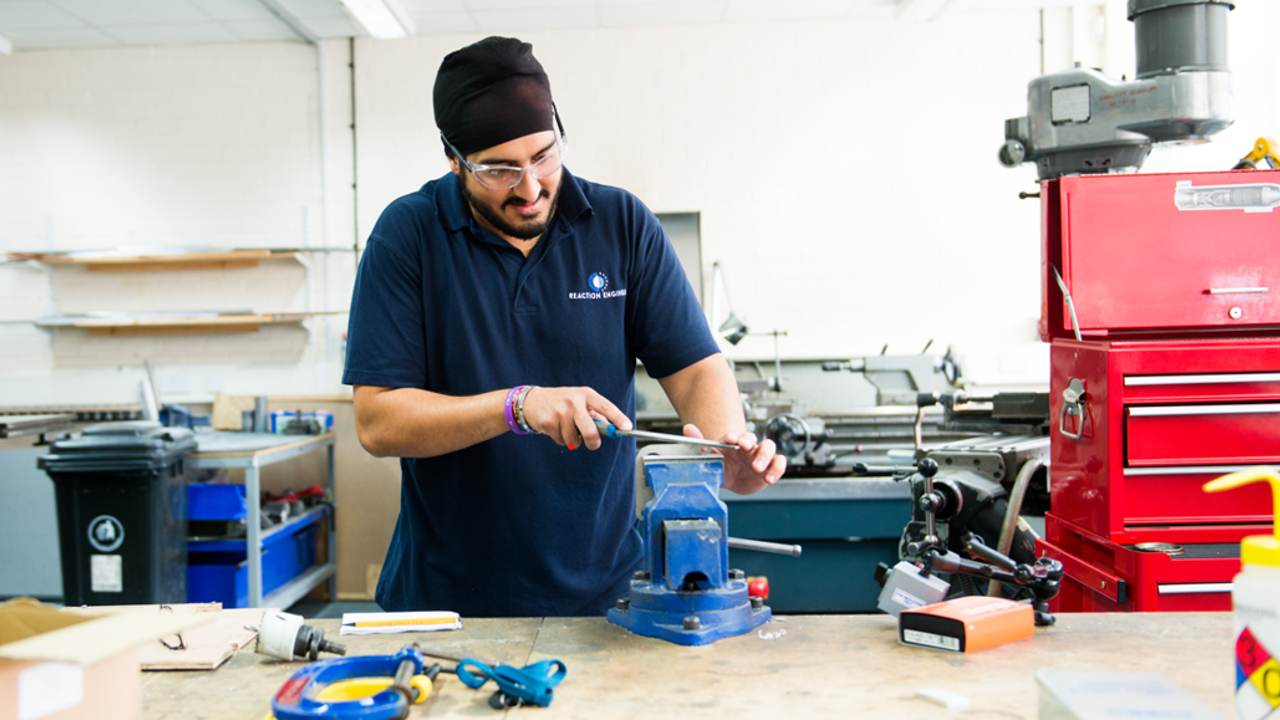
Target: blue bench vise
x,y
686,593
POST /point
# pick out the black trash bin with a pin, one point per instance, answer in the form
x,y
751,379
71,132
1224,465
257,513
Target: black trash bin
x,y
122,512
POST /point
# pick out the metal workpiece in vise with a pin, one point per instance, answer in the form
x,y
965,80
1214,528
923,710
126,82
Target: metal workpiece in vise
x,y
1080,121
686,593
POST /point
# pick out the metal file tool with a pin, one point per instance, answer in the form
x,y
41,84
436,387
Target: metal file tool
x,y
612,431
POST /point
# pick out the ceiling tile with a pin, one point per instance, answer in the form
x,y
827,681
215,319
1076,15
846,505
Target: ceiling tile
x,y
881,7
62,38
257,30
519,21
132,12
433,7
184,34
234,9
528,6
307,9
962,5
634,12
333,27
758,10
444,23
32,14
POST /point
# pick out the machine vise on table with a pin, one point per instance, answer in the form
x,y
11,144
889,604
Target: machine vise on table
x,y
686,593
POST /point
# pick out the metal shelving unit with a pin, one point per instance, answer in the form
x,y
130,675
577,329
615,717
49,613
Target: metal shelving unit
x,y
250,452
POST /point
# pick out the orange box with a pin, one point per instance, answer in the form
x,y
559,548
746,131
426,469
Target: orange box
x,y
966,624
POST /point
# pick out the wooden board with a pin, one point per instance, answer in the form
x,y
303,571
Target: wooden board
x,y
158,265
16,425
207,646
829,666
823,667
228,409
172,261
220,324
241,444
204,647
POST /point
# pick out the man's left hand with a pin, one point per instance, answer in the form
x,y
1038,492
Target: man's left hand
x,y
752,466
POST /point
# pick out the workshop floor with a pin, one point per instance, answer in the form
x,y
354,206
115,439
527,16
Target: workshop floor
x,y
322,609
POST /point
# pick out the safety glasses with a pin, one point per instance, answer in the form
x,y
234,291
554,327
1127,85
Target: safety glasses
x,y
505,177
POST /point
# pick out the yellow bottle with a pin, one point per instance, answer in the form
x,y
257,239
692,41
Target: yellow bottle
x,y
1255,600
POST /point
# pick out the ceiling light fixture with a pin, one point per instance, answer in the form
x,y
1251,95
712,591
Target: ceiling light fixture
x,y
919,10
381,18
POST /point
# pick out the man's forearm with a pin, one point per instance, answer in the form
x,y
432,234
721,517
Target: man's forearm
x,y
407,422
705,394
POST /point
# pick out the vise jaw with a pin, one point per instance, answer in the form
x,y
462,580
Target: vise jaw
x,y
686,593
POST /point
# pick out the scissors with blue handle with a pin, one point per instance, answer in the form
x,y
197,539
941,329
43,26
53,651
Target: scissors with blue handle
x,y
530,684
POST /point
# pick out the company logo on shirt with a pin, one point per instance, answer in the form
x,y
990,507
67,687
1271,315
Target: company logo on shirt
x,y
597,289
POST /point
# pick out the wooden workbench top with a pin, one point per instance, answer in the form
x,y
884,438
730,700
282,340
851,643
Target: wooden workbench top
x,y
824,666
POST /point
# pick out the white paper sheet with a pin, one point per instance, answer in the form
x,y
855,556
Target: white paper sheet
x,y
399,622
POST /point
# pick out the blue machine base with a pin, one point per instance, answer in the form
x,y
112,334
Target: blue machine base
x,y
656,611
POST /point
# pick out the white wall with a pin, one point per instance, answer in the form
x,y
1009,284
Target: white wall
x,y
844,170
215,145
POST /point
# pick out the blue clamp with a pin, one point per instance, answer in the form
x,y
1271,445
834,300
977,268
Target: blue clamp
x,y
530,684
296,698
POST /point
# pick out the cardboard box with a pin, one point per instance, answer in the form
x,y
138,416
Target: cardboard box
x,y
60,666
966,624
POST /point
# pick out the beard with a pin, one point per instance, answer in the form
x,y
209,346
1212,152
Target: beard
x,y
526,230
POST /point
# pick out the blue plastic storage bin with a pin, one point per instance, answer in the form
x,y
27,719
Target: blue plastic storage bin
x,y
218,570
216,501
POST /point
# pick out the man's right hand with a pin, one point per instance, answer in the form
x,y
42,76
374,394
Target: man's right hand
x,y
567,415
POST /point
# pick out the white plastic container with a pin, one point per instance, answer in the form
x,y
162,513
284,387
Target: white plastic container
x,y
1255,600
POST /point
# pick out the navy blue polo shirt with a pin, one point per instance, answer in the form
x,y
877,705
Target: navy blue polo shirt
x,y
517,525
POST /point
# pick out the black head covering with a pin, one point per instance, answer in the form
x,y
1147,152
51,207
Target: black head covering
x,y
491,92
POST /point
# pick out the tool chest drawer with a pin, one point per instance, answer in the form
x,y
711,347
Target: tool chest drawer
x,y
1236,433
1160,419
1175,495
1161,251
1104,576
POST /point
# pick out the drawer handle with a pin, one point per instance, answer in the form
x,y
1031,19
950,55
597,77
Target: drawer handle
x,y
1192,588
1071,306
1074,403
1235,291
1185,470
1177,410
1147,380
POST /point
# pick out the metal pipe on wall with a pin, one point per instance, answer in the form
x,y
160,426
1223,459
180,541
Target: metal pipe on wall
x,y
326,219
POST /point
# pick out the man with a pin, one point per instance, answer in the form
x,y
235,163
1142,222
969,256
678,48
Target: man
x,y
497,312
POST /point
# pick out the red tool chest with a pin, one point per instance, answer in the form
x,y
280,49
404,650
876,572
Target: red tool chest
x,y
1137,255
1175,380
